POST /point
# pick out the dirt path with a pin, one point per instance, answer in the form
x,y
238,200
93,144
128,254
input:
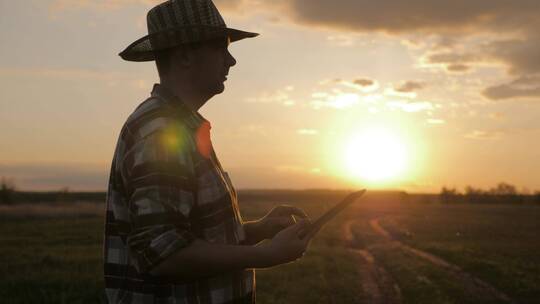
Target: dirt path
x,y
473,284
377,285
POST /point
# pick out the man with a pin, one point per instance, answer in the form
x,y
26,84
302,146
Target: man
x,y
174,233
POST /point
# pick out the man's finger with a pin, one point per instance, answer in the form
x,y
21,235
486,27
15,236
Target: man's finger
x,y
293,229
286,221
293,211
299,212
301,225
293,219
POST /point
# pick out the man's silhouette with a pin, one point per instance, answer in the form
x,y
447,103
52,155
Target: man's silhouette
x,y
174,233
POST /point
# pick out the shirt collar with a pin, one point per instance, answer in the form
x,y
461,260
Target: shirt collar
x,y
192,118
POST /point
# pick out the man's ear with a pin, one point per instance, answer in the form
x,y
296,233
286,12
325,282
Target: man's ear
x,y
184,57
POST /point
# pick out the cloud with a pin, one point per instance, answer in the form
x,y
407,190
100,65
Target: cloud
x,y
310,132
410,86
484,135
435,121
522,87
365,16
414,15
59,6
497,116
365,85
337,101
520,55
363,82
454,61
229,4
281,96
341,40
458,67
509,26
517,51
451,21
411,107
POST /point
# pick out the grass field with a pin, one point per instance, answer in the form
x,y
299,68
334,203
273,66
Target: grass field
x,y
397,251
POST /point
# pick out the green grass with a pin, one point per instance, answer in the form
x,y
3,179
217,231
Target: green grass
x,y
56,258
498,243
326,274
51,260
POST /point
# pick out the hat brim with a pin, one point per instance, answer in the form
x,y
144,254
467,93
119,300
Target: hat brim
x,y
143,49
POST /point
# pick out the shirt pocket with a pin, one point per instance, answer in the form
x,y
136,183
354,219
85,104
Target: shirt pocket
x,y
211,187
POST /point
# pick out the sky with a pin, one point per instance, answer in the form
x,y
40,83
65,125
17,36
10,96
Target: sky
x,y
411,95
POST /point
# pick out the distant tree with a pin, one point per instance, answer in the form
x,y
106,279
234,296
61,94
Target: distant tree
x,y
471,191
448,195
502,193
506,193
7,191
537,196
63,194
474,195
504,189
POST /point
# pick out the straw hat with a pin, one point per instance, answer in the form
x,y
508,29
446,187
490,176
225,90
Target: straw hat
x,y
177,22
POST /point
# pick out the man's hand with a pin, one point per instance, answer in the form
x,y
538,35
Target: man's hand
x,y
287,245
279,218
203,259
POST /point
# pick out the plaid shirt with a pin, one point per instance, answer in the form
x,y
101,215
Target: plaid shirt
x,y
166,188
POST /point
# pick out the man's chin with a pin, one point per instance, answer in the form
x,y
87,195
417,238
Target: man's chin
x,y
220,89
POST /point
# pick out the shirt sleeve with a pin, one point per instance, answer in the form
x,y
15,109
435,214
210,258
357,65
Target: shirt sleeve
x,y
160,181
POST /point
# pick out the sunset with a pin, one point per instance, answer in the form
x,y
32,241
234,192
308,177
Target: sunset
x,y
461,89
375,155
433,107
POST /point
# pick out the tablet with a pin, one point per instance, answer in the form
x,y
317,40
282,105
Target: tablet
x,y
330,214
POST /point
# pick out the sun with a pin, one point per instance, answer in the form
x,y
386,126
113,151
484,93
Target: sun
x,y
375,155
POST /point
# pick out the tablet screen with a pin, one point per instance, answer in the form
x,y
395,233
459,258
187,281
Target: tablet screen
x,y
330,214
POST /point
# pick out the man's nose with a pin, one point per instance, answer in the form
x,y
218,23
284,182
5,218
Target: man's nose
x,y
231,61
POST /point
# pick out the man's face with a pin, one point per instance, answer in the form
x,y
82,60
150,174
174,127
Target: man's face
x,y
210,65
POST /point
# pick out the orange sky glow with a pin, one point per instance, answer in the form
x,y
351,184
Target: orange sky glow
x,y
411,95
